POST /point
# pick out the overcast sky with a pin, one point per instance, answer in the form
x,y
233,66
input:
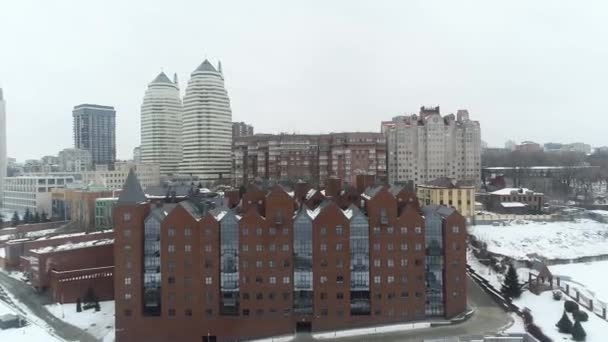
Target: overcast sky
x,y
527,70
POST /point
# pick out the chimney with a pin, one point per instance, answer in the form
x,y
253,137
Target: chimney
x,y
364,181
300,190
333,187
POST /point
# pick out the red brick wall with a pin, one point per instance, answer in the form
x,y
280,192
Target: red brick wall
x,y
68,286
455,247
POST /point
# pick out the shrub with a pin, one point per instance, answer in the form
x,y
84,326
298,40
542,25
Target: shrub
x,y
570,306
578,333
78,305
564,325
557,295
528,319
580,315
535,331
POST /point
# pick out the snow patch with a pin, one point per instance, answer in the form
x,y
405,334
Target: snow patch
x,y
97,323
370,331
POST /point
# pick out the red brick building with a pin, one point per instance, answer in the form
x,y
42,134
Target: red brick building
x,y
272,265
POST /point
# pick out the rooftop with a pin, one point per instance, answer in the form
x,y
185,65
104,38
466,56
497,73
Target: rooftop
x,y
509,191
72,246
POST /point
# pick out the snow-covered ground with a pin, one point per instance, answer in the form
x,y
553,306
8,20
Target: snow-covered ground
x,y
552,240
99,324
547,312
371,331
590,278
32,332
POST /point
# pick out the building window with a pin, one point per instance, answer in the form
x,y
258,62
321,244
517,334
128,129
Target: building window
x,y
271,264
208,280
376,230
403,230
209,312
338,247
377,280
285,248
245,231
323,231
272,247
188,232
171,280
390,246
418,247
455,229
171,232
171,312
285,280
272,280
245,248
390,279
377,263
171,248
390,230
339,230
339,295
258,231
323,279
403,262
127,233
245,312
323,295
208,248
259,264
126,217
323,247
245,296
404,247
259,296
272,231
128,313
323,312
418,230
127,296
188,248
285,231
127,280
405,294
390,263
259,248
339,279
376,247
339,263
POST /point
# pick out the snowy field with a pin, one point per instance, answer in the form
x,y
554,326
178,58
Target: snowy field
x,y
99,324
29,333
547,312
592,275
552,240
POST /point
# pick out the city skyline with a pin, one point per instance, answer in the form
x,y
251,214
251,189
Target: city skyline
x,y
376,61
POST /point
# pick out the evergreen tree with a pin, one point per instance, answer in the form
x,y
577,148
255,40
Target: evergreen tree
x,y
510,287
27,217
15,220
36,218
578,333
44,217
78,305
564,325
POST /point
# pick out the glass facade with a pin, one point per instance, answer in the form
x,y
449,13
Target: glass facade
x,y
302,267
359,265
229,259
152,276
434,263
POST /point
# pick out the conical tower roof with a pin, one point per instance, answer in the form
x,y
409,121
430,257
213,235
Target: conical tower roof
x,y
162,78
131,192
206,66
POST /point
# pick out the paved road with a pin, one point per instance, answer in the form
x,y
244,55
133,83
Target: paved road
x,y
35,302
488,318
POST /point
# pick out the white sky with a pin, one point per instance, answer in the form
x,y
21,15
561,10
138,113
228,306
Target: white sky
x,y
527,70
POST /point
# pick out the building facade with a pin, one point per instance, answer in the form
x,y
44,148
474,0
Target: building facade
x,y
272,266
528,147
427,146
32,192
77,205
444,191
75,160
3,161
148,173
514,201
104,213
241,129
206,125
95,131
161,124
313,158
137,154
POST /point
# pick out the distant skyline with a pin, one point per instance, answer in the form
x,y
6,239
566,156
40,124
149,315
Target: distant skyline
x,y
526,70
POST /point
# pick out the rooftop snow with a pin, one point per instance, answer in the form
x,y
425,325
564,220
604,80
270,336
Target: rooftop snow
x,y
512,204
509,191
71,246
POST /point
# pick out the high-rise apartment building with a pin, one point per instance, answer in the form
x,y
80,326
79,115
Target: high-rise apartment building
x,y
74,160
427,146
313,158
271,265
161,124
241,129
95,130
3,163
206,125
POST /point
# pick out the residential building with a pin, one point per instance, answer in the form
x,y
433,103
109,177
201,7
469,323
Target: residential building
x,y
313,158
32,192
448,192
510,145
95,131
271,266
148,173
75,160
427,146
77,205
161,124
241,129
3,157
206,125
104,211
528,147
137,154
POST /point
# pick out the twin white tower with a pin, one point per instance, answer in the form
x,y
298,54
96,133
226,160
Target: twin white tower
x,y
2,144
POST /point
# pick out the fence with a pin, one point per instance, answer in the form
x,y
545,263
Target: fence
x,y
594,305
490,218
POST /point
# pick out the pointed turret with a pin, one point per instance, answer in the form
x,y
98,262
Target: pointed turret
x,y
205,66
175,80
219,67
161,78
132,192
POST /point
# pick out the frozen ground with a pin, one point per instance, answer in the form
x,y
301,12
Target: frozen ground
x,y
591,277
99,324
547,312
552,240
30,333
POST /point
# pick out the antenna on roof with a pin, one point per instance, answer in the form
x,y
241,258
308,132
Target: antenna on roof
x,y
219,67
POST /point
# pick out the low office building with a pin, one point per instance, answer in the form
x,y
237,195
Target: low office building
x,y
114,179
75,160
271,266
77,205
448,192
514,201
104,211
32,192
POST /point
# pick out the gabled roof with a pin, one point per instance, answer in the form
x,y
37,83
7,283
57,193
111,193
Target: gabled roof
x,y
162,78
131,192
206,66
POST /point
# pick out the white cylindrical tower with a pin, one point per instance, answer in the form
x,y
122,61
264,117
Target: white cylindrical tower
x,y
206,125
161,125
2,146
